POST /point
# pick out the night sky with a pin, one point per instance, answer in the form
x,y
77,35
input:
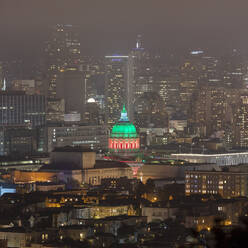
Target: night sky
x,y
112,25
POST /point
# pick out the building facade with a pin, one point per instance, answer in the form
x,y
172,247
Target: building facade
x,y
124,139
95,137
62,51
116,79
226,184
17,108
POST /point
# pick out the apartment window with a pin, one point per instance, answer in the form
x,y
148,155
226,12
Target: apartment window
x,y
81,236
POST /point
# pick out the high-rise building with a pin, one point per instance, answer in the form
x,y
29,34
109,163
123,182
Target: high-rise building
x,y
93,113
17,108
209,110
116,83
169,91
31,86
55,110
141,74
149,111
94,72
63,51
1,75
93,137
18,140
72,90
240,124
22,121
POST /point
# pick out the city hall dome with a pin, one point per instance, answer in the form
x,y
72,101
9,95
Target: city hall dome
x,y
124,138
124,128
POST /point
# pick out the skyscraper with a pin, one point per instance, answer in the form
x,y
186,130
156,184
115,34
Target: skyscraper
x,y
240,126
141,72
209,110
116,79
1,75
63,51
72,90
19,109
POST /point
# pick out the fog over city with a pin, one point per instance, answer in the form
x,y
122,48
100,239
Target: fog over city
x,y
123,123
112,25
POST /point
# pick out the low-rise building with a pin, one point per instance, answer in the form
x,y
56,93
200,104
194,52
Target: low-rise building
x,y
95,137
159,213
227,184
106,169
235,158
74,166
16,237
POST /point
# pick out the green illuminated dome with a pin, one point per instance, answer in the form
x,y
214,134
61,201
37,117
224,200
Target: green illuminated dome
x,y
123,128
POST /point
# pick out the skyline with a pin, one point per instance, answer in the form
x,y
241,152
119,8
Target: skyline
x,y
166,26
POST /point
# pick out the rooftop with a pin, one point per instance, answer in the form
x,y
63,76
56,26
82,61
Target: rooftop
x,y
101,164
72,149
60,166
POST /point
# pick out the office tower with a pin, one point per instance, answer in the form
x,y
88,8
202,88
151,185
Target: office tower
x,y
72,90
201,67
143,72
93,136
116,81
234,70
149,111
22,121
13,70
94,72
169,91
55,110
209,110
240,124
186,89
93,114
62,52
198,69
18,140
28,86
94,80
1,75
17,108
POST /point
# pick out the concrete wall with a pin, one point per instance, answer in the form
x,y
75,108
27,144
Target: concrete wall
x,y
67,157
83,160
94,176
88,160
160,171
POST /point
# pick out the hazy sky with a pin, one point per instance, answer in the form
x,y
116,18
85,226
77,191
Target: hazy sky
x,y
109,25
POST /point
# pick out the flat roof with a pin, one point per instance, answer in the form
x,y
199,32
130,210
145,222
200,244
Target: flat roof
x,y
209,155
72,149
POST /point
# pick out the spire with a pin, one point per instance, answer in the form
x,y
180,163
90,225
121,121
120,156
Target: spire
x,y
139,42
4,85
124,109
124,116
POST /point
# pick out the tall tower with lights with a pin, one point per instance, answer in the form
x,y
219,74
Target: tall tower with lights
x,y
62,53
116,81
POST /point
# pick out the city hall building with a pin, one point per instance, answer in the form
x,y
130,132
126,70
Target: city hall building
x,y
124,140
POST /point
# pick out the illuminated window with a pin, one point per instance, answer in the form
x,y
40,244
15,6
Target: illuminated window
x,y
81,236
220,208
